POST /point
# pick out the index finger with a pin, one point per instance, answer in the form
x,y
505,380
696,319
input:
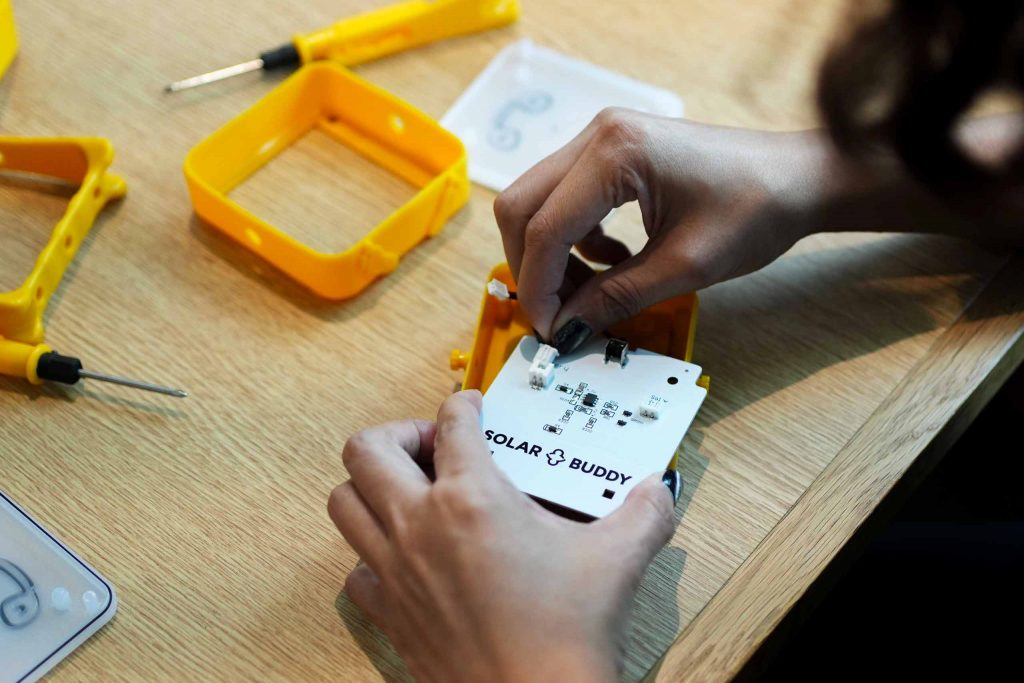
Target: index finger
x,y
514,207
382,465
587,193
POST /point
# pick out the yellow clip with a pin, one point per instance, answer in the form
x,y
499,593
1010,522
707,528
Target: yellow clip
x,y
83,161
8,36
373,122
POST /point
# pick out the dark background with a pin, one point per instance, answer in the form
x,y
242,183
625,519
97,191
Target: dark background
x,y
936,591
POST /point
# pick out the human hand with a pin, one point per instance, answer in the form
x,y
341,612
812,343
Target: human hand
x,y
716,203
469,577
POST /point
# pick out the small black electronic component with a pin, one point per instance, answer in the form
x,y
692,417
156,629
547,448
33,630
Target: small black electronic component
x,y
622,423
590,400
607,413
553,429
564,389
616,351
627,413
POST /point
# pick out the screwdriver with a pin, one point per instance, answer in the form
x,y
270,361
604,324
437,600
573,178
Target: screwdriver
x,y
374,34
38,363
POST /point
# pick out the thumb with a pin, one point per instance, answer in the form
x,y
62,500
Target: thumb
x,y
646,520
618,293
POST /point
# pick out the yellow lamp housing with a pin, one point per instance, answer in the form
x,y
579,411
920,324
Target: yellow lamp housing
x,y
82,161
667,328
371,121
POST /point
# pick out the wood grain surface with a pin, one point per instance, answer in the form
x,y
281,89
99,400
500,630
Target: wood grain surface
x,y
835,364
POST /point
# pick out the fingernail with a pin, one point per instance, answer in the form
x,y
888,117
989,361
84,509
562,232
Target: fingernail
x,y
571,335
674,481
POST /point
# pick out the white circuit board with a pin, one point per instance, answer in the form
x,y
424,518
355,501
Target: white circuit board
x,y
50,600
596,430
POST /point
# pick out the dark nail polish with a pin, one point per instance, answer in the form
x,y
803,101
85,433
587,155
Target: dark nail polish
x,y
674,482
572,334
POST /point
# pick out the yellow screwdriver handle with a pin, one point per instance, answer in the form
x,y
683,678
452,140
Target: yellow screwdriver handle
x,y
21,360
399,27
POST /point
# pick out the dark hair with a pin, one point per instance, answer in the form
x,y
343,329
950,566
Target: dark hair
x,y
900,82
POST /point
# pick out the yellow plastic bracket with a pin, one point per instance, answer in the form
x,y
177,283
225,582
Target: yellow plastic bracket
x,y
82,161
8,36
373,122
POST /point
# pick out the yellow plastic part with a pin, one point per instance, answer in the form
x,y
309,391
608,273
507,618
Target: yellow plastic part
x,y
667,328
83,161
8,36
399,27
373,122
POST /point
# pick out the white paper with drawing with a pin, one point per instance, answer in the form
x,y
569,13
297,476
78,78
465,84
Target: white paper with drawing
x,y
530,101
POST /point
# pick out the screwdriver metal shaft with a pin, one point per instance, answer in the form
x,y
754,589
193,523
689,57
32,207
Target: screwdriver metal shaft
x,y
374,34
133,383
218,75
54,367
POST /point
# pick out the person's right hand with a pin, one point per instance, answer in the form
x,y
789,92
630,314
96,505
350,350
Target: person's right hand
x,y
716,203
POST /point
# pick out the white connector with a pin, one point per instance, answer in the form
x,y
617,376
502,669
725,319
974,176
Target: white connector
x,y
650,410
498,289
542,369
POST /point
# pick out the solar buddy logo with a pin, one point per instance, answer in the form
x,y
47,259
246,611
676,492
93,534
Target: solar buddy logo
x,y
555,457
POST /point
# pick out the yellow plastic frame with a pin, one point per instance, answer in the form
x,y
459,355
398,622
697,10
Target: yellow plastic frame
x,y
373,122
8,36
83,161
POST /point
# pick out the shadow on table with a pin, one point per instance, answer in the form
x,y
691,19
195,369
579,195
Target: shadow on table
x,y
62,190
769,330
654,622
5,92
772,329
371,640
259,270
655,617
69,394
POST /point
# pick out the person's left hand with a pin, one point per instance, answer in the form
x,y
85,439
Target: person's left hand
x,y
469,577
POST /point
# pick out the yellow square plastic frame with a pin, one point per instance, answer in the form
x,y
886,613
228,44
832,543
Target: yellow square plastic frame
x,y
371,121
83,161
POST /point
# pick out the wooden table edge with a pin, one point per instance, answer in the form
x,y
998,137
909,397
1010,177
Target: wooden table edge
x,y
728,631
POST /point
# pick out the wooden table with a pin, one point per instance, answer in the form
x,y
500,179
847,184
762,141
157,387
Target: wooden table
x,y
833,369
